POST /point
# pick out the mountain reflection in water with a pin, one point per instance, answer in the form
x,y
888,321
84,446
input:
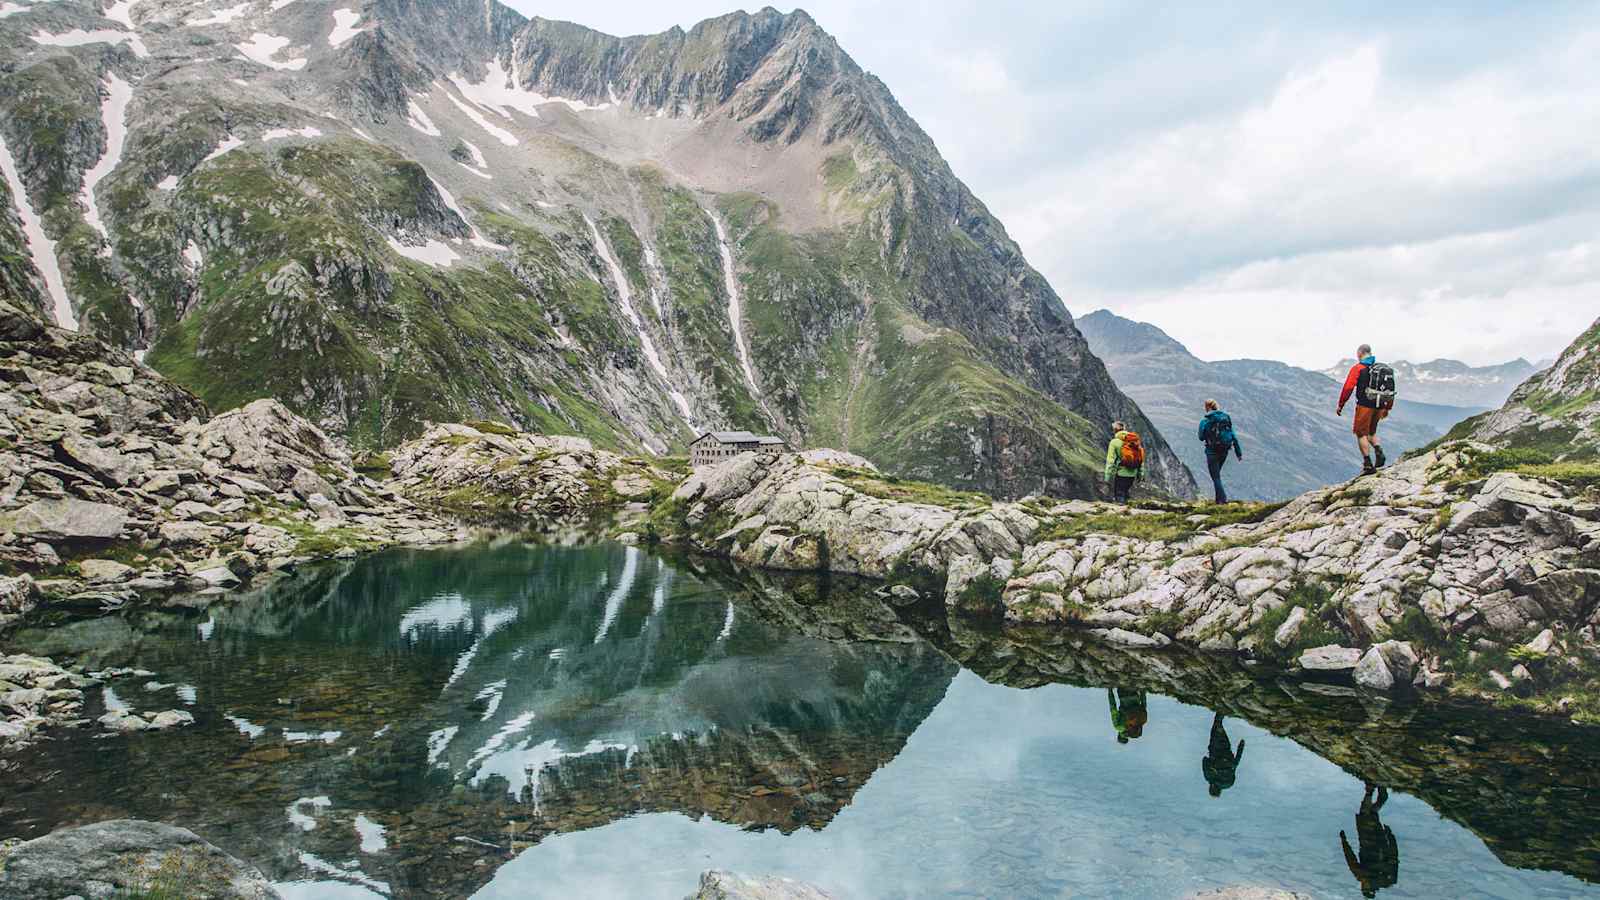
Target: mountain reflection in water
x,y
597,721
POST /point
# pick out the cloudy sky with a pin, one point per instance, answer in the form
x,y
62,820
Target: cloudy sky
x,y
1268,182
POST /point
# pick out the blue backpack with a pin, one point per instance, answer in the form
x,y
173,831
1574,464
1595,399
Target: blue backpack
x,y
1219,432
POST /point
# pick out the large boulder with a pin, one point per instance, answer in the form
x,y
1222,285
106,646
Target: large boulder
x,y
1330,658
266,438
721,885
128,858
66,518
1372,672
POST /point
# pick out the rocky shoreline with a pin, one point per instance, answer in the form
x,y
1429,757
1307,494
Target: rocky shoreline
x,y
1438,573
1432,574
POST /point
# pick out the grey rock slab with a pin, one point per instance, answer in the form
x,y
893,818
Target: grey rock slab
x,y
188,533
1543,644
1372,672
127,857
109,466
1290,629
216,576
104,569
1330,658
171,718
66,517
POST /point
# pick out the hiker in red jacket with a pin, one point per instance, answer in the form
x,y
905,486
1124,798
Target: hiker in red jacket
x,y
1372,384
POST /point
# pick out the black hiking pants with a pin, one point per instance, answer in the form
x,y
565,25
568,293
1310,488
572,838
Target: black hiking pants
x,y
1215,459
1121,486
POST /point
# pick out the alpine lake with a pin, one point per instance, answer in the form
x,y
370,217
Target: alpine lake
x,y
527,718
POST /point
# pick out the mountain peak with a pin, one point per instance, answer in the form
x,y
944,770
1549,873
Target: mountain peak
x,y
1557,410
433,210
1111,334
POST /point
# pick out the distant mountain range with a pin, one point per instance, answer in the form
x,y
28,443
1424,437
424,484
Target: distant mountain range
x,y
1453,383
1285,418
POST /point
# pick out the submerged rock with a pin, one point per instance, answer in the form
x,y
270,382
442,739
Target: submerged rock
x,y
128,858
722,885
1248,892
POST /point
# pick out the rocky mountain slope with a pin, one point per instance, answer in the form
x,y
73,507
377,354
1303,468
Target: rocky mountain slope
x,y
1555,415
1449,382
382,222
115,483
1293,442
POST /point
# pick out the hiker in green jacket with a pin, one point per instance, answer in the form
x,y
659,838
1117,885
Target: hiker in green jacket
x,y
1128,713
1124,461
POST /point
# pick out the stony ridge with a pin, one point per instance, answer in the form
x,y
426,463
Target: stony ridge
x,y
1490,579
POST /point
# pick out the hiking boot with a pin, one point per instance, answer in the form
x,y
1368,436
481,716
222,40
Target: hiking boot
x,y
1381,459
1369,469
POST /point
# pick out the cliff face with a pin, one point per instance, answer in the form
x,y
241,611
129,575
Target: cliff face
x,y
382,222
1284,416
1556,413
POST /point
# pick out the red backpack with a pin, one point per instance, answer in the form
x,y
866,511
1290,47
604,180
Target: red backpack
x,y
1132,451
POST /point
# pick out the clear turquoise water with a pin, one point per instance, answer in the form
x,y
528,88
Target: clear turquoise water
x,y
522,721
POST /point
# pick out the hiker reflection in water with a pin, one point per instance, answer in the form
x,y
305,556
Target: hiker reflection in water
x,y
1221,764
1378,866
1128,713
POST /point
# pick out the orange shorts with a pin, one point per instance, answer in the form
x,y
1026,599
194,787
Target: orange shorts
x,y
1367,420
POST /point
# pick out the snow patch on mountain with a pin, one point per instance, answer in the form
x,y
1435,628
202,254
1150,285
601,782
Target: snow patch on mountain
x,y
77,37
169,183
419,120
344,29
40,247
499,93
478,240
122,13
262,47
114,116
275,134
735,302
10,9
479,165
222,16
228,143
434,252
498,133
625,297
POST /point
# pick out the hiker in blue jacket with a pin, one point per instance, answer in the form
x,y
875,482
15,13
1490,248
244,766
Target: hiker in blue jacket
x,y
1216,432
